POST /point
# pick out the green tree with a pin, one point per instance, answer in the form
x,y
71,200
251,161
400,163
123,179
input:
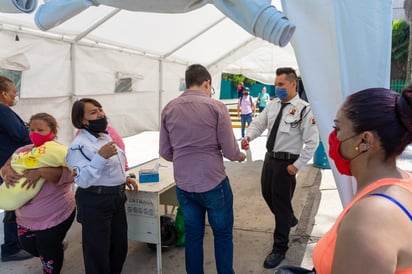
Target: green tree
x,y
237,78
400,44
407,5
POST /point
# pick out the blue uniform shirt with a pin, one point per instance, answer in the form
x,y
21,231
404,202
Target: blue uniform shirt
x,y
91,169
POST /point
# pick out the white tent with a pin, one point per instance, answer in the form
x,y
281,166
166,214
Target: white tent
x,y
342,46
87,54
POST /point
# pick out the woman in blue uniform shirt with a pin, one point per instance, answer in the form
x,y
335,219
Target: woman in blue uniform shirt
x,y
98,165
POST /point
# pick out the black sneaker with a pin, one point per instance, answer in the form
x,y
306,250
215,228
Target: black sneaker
x,y
19,256
273,260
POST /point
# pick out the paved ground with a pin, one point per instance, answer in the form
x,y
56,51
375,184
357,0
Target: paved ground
x,y
316,203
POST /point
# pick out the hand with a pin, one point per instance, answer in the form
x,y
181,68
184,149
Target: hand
x,y
292,170
10,177
242,157
32,177
108,150
244,144
131,184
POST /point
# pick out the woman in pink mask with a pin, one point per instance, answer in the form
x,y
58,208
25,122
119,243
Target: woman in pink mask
x,y
373,233
44,220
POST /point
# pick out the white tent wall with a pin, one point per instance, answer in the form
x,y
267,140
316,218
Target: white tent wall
x,y
46,84
156,83
49,74
172,74
59,107
96,71
49,85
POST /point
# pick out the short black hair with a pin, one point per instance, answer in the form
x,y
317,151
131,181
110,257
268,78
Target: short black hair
x,y
196,74
78,111
290,73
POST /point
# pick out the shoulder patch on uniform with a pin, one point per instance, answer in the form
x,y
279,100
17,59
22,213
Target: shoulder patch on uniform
x,y
313,121
75,171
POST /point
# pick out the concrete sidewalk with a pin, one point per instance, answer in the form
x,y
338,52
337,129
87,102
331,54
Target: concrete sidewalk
x,y
316,204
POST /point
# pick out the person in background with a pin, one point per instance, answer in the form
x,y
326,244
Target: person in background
x,y
292,140
13,134
262,100
373,233
119,142
98,165
43,222
195,134
246,109
240,90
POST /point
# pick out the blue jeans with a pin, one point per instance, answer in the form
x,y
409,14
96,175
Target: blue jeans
x,y
245,118
218,203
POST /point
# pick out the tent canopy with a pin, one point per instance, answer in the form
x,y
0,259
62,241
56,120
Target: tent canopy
x,y
203,35
87,55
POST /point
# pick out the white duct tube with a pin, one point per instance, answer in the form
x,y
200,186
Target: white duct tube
x,y
161,6
53,13
18,6
260,18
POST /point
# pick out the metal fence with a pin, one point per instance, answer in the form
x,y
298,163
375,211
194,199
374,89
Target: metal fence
x,y
399,85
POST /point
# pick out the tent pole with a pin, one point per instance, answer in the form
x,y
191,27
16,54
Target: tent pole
x,y
193,37
96,25
160,93
233,51
73,79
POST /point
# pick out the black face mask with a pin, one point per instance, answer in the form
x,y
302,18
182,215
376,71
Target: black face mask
x,y
98,125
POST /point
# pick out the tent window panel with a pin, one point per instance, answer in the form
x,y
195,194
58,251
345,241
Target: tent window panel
x,y
13,75
182,85
124,85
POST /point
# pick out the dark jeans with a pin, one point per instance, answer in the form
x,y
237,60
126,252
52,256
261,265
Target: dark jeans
x,y
104,230
47,244
277,190
218,203
11,241
245,118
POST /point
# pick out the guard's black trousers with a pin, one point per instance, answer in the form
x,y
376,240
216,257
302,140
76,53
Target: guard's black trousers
x,y
277,190
104,230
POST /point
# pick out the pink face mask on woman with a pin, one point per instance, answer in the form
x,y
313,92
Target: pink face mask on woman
x,y
39,139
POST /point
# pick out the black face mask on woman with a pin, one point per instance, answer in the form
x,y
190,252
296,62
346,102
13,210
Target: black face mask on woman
x,y
98,125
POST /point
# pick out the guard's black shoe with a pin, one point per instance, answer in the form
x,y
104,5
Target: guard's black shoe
x,y
273,260
21,255
294,221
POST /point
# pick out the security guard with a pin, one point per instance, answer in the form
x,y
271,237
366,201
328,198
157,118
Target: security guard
x,y
291,125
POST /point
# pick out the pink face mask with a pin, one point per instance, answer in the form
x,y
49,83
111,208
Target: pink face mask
x,y
342,164
39,139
